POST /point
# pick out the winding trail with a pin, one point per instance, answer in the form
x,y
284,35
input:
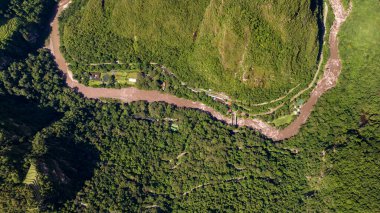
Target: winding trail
x,y
330,77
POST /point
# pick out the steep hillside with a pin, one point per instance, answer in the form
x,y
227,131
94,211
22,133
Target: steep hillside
x,y
20,119
21,28
103,156
247,49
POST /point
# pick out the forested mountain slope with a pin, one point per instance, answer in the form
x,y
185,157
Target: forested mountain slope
x,y
345,126
102,156
20,119
247,49
20,27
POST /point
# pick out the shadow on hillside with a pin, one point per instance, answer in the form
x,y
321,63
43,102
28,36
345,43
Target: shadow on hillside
x,y
23,117
68,164
20,119
316,6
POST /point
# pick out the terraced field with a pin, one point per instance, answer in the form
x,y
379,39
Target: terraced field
x,y
31,176
6,31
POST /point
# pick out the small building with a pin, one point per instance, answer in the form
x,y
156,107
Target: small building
x,y
163,86
174,127
299,102
297,106
95,76
132,80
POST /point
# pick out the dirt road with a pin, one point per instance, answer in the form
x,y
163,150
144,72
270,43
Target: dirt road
x,y
332,72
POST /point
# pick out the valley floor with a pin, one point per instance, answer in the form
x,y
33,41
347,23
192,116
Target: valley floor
x,y
330,77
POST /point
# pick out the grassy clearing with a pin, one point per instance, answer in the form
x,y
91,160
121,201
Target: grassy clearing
x,y
121,77
93,83
284,120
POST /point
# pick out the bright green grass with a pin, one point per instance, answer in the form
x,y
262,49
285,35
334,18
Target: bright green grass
x,y
7,30
31,176
284,120
122,77
93,83
249,49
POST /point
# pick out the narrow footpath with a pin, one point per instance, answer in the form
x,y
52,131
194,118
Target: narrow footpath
x,y
330,77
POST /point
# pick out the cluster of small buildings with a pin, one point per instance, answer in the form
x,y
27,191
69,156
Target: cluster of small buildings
x,y
97,76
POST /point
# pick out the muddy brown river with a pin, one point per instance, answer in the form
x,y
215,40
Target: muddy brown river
x,y
328,81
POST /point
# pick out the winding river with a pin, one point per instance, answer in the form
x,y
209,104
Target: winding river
x,y
328,81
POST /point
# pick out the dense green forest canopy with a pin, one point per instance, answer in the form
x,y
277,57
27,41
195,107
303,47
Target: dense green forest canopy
x,y
247,49
82,155
21,28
